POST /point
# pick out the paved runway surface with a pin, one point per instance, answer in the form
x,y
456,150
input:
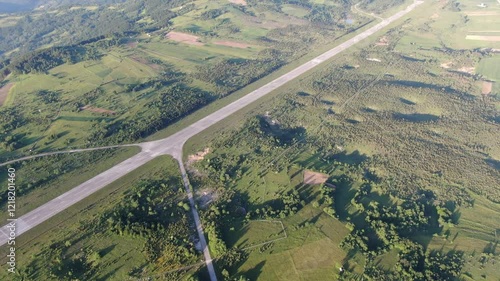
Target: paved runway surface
x,y
173,146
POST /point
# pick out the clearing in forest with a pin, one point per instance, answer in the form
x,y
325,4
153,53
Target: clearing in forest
x,y
312,178
487,87
4,92
184,38
384,41
467,69
198,156
446,65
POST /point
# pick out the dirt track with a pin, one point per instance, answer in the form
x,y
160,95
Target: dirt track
x,y
4,92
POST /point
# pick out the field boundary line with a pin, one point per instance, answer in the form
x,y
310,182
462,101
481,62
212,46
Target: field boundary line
x,y
270,241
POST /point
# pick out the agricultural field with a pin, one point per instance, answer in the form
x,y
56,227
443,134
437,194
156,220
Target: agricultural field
x,y
98,240
489,68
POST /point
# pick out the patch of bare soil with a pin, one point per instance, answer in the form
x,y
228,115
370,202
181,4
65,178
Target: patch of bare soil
x,y
132,45
384,41
446,65
4,92
487,87
193,158
467,69
146,62
239,2
311,177
184,38
232,44
139,59
198,156
483,38
98,110
269,24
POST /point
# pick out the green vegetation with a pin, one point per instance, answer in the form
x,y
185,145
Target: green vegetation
x,y
379,6
135,227
126,84
409,144
489,67
398,127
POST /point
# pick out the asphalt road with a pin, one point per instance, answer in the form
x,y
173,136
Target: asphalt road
x,y
173,146
65,152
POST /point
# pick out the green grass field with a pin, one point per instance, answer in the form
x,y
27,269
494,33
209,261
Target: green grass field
x,y
255,233
311,249
309,253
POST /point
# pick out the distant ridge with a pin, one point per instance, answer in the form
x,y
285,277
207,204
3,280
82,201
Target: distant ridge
x,y
12,6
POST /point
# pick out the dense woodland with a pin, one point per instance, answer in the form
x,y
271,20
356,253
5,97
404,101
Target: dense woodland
x,y
30,33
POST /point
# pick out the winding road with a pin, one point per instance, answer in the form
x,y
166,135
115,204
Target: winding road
x,y
173,145
357,10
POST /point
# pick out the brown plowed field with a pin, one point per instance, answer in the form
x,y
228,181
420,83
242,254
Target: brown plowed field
x,y
311,177
184,38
